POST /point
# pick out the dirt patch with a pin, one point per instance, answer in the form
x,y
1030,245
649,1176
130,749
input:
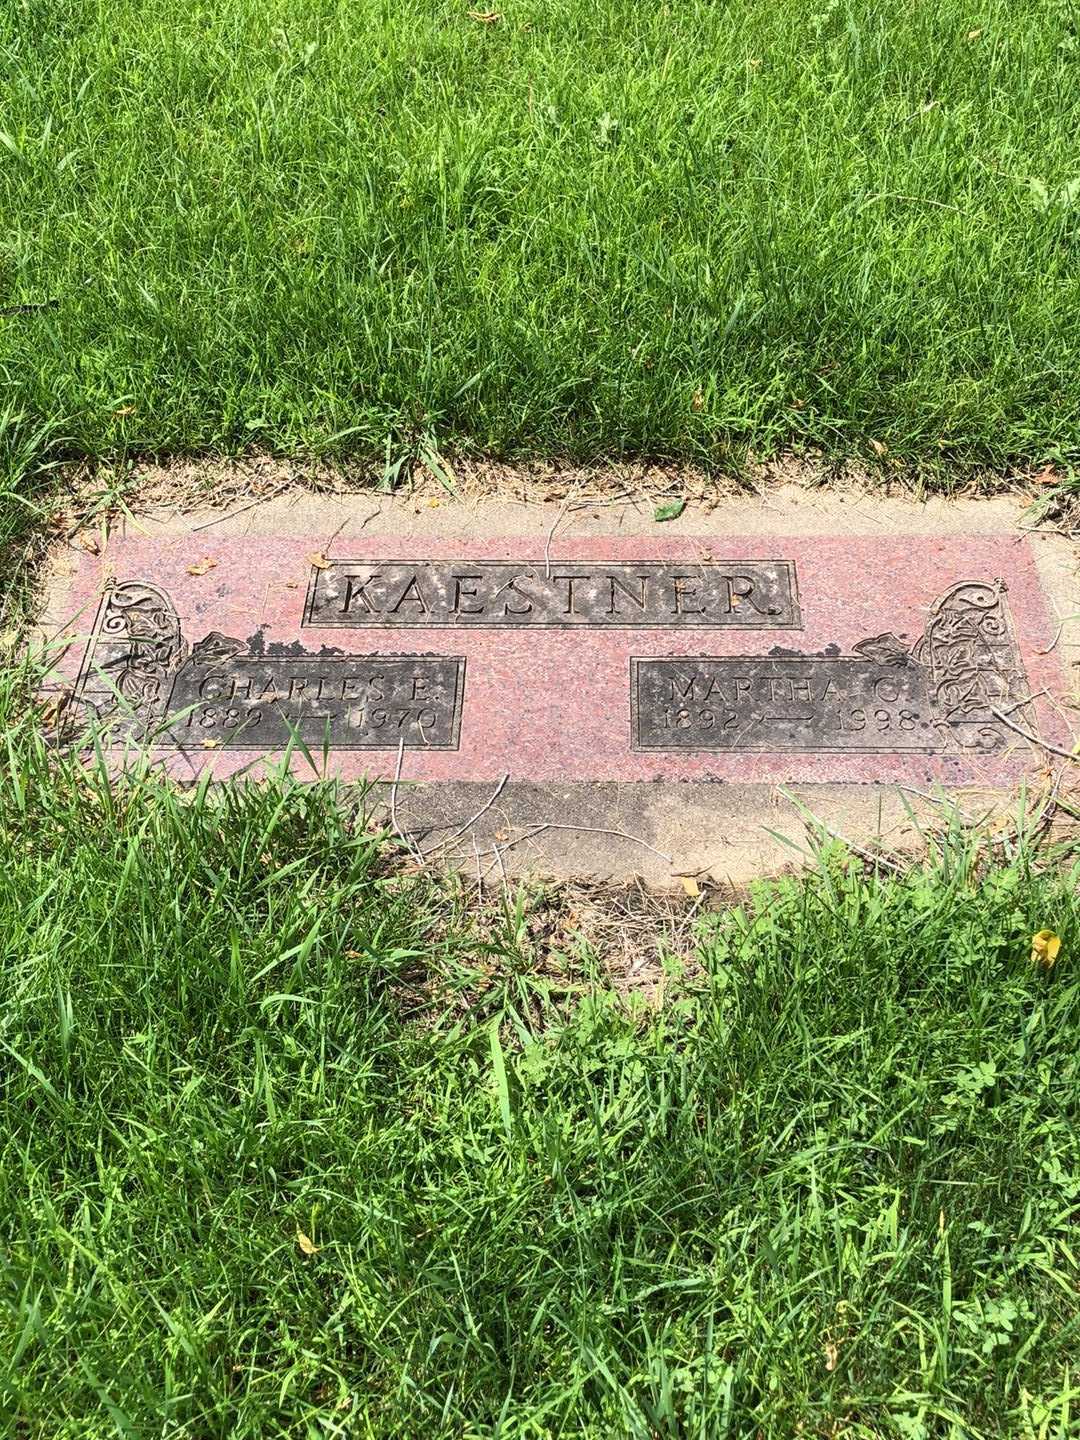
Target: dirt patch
x,y
563,938
194,483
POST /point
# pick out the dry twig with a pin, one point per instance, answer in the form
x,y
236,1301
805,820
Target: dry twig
x,y
461,829
1033,739
581,829
242,509
402,835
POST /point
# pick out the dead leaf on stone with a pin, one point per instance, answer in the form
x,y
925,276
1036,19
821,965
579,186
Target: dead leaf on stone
x,y
318,561
202,567
292,584
307,1245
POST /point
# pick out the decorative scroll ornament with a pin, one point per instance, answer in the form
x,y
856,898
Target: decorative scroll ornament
x,y
134,655
973,663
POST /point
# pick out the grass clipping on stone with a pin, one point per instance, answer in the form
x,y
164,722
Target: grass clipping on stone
x,y
295,1143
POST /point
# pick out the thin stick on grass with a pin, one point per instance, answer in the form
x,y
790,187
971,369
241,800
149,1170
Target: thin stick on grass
x,y
947,801
502,870
517,840
868,855
479,877
1028,700
622,499
618,834
402,835
563,512
1046,814
241,510
1057,635
461,829
324,549
1034,739
583,830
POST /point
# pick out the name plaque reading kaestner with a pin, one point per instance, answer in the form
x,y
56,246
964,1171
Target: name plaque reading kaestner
x,y
736,594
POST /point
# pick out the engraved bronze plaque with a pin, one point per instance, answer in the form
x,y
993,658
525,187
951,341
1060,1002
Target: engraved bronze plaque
x,y
946,693
357,702
833,703
733,594
140,680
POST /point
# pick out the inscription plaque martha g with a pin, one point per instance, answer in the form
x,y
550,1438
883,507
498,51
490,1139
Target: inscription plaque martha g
x,y
825,702
945,693
737,594
140,677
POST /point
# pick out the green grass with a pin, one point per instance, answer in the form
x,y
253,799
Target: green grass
x,y
598,228
830,1188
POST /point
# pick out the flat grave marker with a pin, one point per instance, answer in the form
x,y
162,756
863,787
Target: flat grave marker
x,y
706,657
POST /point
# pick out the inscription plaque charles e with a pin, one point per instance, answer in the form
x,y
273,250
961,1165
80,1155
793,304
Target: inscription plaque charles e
x,y
358,702
141,678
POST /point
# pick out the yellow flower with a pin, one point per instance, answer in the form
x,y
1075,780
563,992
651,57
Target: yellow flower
x,y
1045,948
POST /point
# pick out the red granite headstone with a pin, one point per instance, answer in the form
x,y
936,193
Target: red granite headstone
x,y
713,658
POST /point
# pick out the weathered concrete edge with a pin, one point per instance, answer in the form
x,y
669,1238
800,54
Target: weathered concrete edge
x,y
660,831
